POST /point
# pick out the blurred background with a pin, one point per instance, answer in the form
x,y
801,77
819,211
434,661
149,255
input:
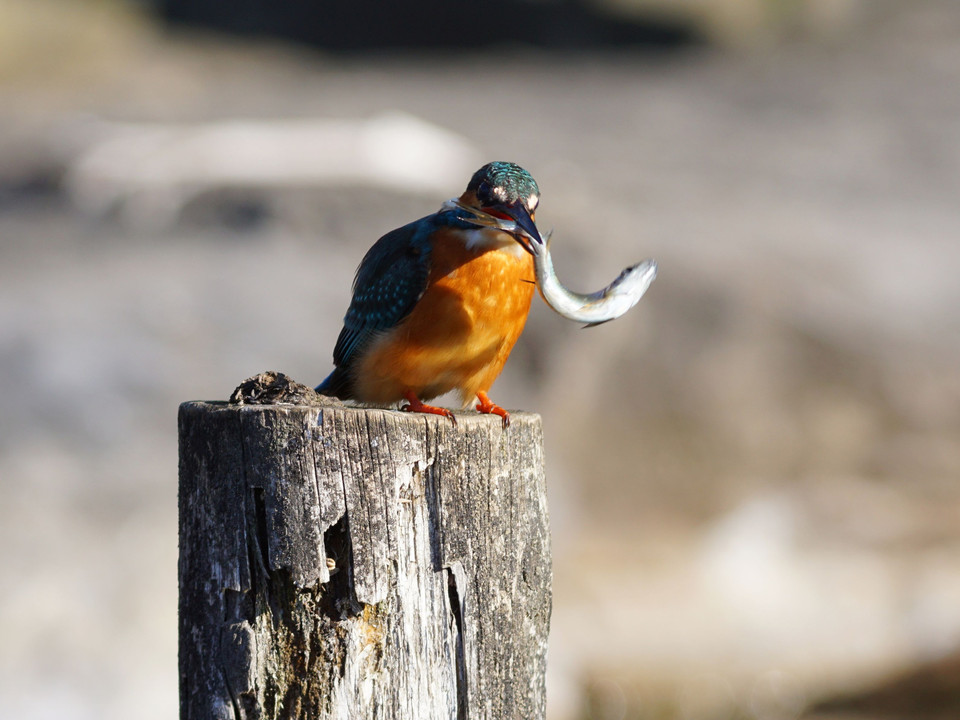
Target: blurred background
x,y
753,475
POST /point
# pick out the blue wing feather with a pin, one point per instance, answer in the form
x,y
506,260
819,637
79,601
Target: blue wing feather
x,y
391,278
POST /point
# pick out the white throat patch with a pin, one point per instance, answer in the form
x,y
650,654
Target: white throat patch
x,y
490,239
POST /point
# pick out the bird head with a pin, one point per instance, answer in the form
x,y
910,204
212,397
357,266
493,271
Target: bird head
x,y
506,191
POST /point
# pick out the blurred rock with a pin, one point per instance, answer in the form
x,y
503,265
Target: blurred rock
x,y
929,692
147,174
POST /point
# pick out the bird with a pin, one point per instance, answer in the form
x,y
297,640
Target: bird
x,y
438,304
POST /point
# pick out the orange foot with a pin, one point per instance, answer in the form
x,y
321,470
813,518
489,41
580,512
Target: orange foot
x,y
414,405
486,405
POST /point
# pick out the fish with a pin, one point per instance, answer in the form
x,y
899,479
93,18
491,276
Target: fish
x,y
592,309
598,307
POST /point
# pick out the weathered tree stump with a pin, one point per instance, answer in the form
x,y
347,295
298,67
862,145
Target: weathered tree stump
x,y
353,563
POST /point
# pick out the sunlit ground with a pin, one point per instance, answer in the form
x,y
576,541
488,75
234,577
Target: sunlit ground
x,y
753,475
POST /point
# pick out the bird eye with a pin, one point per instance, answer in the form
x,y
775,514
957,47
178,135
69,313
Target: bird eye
x,y
484,194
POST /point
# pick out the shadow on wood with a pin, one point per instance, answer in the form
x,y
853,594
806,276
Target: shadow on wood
x,y
353,563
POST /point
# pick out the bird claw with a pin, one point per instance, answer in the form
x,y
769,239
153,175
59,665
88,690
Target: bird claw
x,y
487,406
414,404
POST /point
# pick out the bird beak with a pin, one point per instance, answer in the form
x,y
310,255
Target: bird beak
x,y
529,235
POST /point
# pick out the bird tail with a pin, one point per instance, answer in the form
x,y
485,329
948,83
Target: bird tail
x,y
337,384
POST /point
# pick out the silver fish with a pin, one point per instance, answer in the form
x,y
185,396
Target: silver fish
x,y
597,307
593,308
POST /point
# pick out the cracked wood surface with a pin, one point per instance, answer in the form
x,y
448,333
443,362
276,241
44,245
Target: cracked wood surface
x,y
360,563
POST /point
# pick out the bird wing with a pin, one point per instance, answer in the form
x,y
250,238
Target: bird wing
x,y
391,278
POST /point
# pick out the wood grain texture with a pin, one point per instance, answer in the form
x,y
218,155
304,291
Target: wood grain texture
x,y
438,604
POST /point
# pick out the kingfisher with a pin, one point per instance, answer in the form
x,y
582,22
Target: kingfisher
x,y
439,304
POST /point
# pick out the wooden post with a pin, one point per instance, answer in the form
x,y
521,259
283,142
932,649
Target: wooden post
x,y
356,563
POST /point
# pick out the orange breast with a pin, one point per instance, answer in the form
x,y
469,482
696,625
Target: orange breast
x,y
461,332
